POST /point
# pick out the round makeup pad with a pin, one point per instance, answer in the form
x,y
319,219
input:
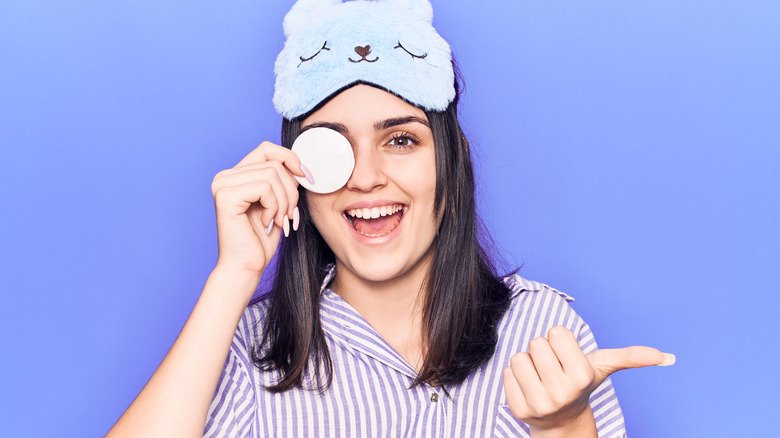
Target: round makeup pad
x,y
328,155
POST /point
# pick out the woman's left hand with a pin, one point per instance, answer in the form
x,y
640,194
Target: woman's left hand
x,y
549,386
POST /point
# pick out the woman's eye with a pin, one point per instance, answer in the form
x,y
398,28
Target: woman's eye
x,y
404,141
324,47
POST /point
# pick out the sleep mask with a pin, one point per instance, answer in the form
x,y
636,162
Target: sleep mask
x,y
390,44
332,45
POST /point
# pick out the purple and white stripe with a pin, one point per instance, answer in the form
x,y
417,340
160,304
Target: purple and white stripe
x,y
369,395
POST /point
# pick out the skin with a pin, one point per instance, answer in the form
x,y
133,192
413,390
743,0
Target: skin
x,y
547,386
382,282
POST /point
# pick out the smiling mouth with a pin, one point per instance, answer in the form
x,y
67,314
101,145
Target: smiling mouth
x,y
377,221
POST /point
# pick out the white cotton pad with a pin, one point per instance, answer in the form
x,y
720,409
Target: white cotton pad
x,y
328,155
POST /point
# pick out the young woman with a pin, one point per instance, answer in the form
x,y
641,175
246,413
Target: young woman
x,y
386,316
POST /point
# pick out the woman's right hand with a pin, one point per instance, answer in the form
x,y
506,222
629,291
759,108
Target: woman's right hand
x,y
256,193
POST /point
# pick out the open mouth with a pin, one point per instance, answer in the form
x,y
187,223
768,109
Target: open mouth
x,y
377,221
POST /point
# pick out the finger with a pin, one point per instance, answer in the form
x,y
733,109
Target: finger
x,y
569,353
237,199
546,362
268,175
289,183
228,174
270,151
528,378
609,360
257,165
514,395
281,196
255,213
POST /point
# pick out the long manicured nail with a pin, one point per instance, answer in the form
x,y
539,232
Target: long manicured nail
x,y
296,218
286,226
270,226
669,359
307,173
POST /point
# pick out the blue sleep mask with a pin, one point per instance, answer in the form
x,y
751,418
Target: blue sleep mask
x,y
388,43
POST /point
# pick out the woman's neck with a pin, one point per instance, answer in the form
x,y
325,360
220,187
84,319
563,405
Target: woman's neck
x,y
393,307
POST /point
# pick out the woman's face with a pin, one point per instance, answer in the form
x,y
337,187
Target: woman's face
x,y
394,178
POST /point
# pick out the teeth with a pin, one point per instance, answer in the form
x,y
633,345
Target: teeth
x,y
373,213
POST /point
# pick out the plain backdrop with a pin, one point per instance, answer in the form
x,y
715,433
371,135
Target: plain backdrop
x,y
627,154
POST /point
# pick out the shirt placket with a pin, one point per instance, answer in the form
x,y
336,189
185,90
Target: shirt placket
x,y
441,410
378,348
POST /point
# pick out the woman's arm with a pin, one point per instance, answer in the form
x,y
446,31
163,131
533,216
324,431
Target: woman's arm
x,y
175,400
259,190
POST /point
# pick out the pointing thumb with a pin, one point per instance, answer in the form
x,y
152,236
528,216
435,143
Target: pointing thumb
x,y
608,360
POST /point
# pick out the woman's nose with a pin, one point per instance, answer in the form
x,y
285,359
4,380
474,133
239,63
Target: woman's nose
x,y
368,172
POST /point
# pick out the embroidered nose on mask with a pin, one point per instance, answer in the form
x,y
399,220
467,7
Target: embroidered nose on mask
x,y
363,51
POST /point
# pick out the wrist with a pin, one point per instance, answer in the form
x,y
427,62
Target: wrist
x,y
581,426
228,271
234,282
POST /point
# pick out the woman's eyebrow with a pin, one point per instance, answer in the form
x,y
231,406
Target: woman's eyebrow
x,y
340,127
378,126
395,121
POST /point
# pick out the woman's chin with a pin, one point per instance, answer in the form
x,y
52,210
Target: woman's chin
x,y
377,269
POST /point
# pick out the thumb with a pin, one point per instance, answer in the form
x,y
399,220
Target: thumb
x,y
606,361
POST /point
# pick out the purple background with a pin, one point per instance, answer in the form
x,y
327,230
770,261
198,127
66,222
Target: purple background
x,y
628,155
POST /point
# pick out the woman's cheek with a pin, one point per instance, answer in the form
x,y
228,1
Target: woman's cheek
x,y
318,212
415,171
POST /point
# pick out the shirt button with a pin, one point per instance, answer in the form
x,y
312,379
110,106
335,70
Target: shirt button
x,y
434,397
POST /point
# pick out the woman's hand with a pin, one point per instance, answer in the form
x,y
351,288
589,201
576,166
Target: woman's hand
x,y
549,386
250,198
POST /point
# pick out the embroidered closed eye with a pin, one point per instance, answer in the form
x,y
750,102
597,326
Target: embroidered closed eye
x,y
324,47
413,55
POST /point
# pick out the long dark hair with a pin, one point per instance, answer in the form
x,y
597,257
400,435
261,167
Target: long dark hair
x,y
464,300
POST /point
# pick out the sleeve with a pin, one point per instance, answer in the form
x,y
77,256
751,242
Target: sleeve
x,y
234,403
545,307
603,400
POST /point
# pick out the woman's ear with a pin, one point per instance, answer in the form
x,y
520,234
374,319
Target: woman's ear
x,y
303,12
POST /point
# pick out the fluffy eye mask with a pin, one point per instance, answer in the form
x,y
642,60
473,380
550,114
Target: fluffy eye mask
x,y
388,43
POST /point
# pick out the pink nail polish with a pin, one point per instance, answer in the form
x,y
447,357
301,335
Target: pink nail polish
x,y
307,173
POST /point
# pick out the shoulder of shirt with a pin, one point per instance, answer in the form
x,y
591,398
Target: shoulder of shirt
x,y
518,285
258,306
250,324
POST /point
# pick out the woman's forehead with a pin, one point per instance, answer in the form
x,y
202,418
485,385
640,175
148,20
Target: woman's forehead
x,y
363,106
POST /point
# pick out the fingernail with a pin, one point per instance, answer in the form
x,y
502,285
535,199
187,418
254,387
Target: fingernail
x,y
669,359
270,226
296,218
286,226
307,173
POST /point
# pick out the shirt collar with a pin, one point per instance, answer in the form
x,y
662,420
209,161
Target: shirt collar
x,y
330,270
347,326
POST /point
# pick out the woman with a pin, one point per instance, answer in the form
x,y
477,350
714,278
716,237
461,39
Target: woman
x,y
386,316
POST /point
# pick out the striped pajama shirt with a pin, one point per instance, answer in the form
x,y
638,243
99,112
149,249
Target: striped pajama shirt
x,y
369,395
